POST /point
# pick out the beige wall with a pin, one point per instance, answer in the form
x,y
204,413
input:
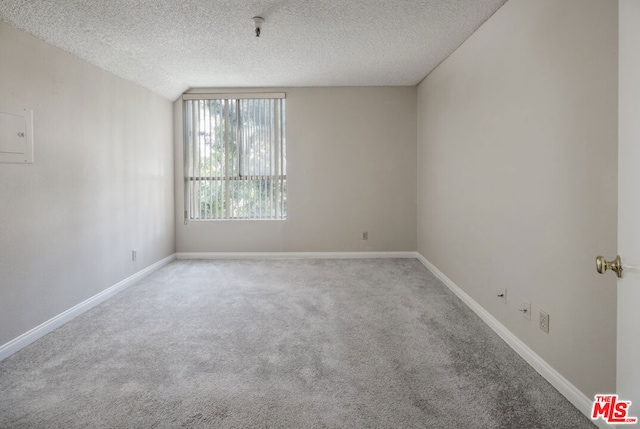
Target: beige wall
x,y
517,176
101,184
350,168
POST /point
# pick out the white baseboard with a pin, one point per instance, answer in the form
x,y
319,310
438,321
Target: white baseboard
x,y
293,255
40,331
568,390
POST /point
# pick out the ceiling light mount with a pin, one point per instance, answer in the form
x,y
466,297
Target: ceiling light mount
x,y
258,21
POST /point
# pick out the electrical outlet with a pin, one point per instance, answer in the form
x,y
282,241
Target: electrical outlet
x,y
134,255
544,321
503,295
525,309
365,235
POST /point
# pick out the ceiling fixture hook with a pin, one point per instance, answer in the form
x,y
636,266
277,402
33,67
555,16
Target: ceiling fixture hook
x,y
258,20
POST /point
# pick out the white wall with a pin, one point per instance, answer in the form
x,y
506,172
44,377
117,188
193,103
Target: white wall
x,y
101,184
517,176
350,168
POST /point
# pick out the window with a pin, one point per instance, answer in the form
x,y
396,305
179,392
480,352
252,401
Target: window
x,y
235,157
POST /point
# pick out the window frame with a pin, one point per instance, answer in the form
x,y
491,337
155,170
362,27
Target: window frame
x,y
277,202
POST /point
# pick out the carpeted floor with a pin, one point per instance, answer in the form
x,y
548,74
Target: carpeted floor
x,y
372,343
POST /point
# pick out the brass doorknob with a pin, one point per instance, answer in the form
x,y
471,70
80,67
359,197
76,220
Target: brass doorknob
x,y
603,265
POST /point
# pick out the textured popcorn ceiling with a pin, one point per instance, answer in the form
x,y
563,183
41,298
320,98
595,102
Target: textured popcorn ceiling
x,y
169,46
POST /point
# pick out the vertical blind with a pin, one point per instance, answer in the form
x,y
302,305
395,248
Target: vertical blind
x,y
235,158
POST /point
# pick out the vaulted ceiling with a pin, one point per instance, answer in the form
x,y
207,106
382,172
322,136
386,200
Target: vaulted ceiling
x,y
169,46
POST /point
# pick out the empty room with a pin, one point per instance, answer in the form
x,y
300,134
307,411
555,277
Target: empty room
x,y
319,214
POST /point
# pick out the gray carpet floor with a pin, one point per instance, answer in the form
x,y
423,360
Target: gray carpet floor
x,y
372,343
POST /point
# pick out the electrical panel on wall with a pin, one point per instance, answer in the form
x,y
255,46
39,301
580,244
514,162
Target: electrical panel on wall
x,y
16,135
